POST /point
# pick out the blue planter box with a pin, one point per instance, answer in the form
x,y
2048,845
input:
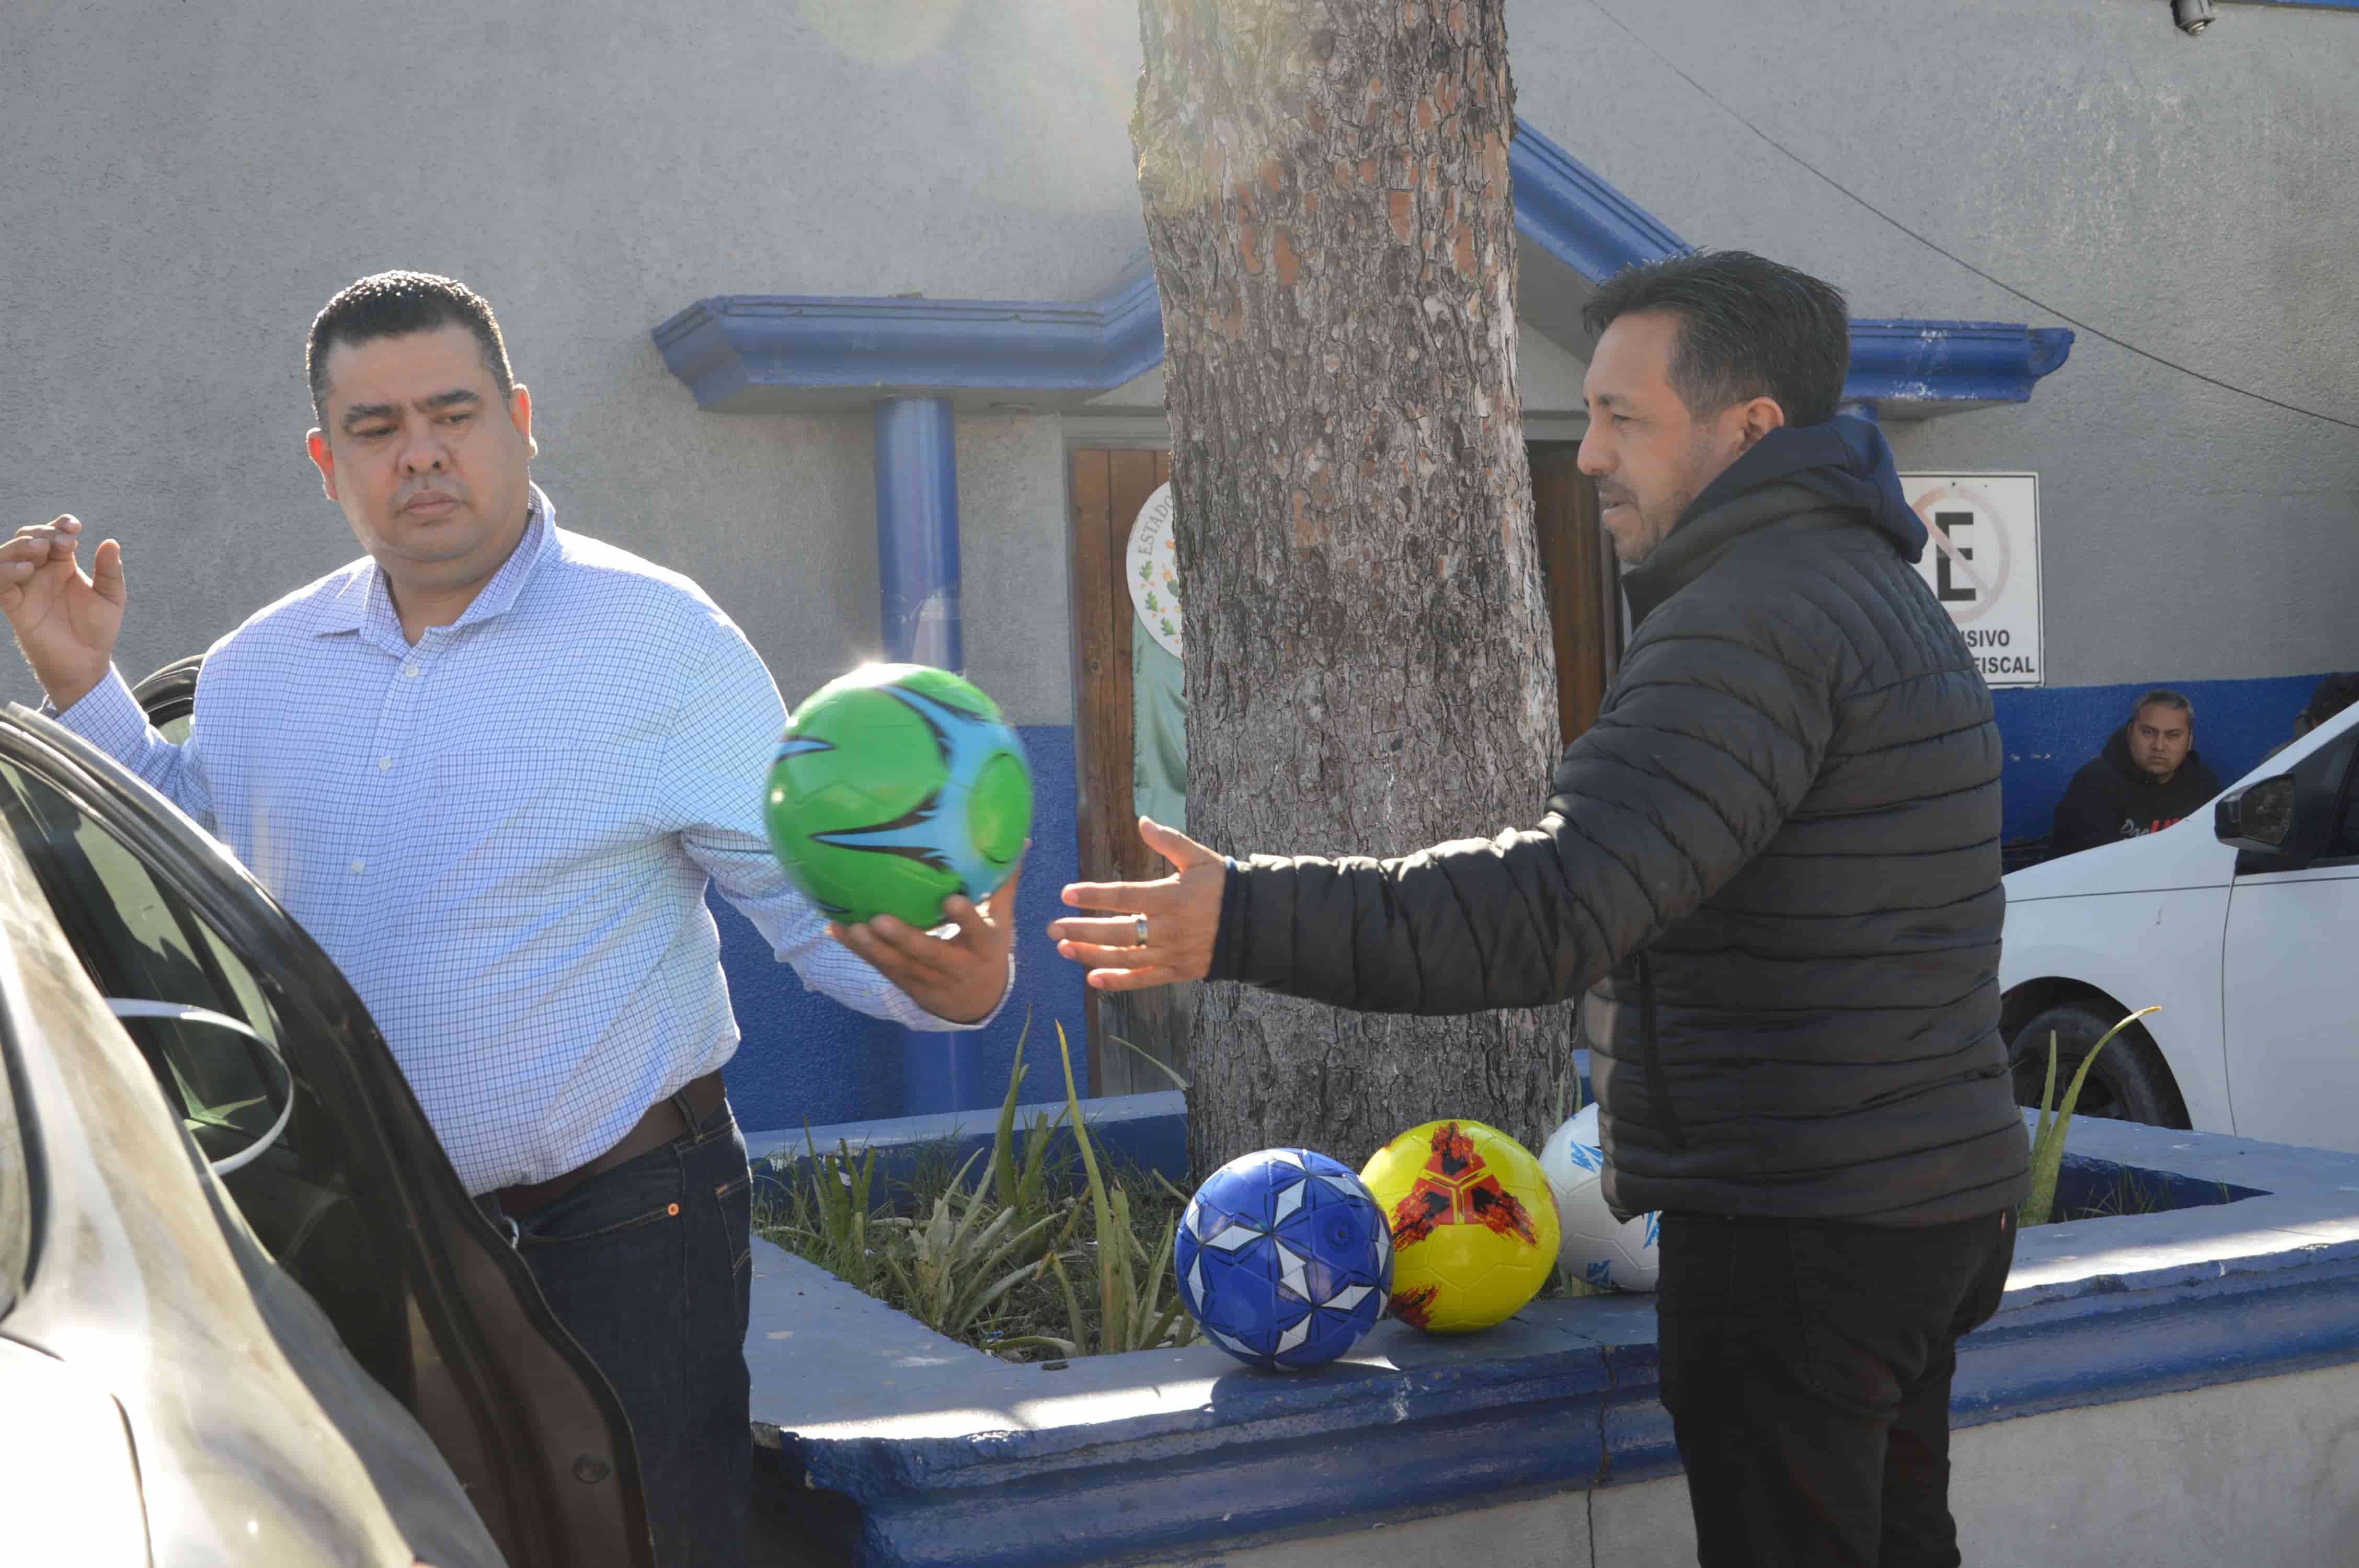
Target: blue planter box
x,y
908,1449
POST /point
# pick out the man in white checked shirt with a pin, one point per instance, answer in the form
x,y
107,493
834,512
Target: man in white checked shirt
x,y
491,768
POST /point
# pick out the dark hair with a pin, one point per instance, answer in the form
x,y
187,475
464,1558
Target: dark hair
x,y
2331,697
2163,697
1748,328
394,305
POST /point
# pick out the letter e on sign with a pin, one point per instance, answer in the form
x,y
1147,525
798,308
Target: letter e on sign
x,y
1982,565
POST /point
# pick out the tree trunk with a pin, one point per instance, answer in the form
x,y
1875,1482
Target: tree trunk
x,y
1367,647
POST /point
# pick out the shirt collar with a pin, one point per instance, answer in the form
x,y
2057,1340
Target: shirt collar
x,y
363,602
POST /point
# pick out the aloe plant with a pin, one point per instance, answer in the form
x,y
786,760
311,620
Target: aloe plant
x,y
2048,1137
996,1246
960,1260
1128,1278
829,1210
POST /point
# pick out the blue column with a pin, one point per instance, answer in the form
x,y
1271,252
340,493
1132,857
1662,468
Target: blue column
x,y
917,577
918,531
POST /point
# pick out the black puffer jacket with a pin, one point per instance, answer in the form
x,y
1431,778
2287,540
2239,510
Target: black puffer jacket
x,y
1788,815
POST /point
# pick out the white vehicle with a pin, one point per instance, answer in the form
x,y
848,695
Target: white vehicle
x,y
2237,922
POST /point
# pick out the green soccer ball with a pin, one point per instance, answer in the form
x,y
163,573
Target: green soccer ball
x,y
895,787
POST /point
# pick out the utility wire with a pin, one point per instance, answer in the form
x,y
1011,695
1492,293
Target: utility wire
x,y
1939,249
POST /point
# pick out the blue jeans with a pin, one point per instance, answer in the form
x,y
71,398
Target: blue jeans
x,y
649,1265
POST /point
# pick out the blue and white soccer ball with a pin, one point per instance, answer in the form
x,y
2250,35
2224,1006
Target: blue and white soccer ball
x,y
1591,1243
1284,1260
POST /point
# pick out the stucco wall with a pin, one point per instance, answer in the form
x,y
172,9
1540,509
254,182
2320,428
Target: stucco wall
x,y
186,185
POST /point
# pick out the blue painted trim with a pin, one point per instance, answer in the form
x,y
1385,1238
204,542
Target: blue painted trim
x,y
731,346
1566,208
1145,1132
1952,361
918,532
727,346
917,583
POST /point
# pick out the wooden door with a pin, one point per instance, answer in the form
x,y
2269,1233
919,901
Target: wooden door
x,y
1108,489
1585,584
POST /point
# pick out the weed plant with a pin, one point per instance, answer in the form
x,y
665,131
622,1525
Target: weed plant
x,y
1010,1253
2048,1137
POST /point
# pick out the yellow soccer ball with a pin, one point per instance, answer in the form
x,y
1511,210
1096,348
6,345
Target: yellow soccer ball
x,y
1473,1223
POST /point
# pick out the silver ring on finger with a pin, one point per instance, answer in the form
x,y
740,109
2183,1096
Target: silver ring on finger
x,y
1138,926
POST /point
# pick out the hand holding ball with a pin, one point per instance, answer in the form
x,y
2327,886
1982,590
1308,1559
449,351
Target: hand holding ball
x,y
895,787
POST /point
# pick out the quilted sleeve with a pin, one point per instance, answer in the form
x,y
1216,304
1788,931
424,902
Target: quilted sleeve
x,y
1715,731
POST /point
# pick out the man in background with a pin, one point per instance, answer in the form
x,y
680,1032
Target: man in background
x,y
2149,776
492,766
2327,699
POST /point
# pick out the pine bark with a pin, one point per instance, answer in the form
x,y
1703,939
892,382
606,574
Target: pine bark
x,y
1368,651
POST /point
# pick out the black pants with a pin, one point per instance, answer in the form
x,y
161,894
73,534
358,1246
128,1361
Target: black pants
x,y
1807,1365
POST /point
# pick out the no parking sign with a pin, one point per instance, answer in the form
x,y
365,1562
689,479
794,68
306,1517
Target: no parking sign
x,y
1982,564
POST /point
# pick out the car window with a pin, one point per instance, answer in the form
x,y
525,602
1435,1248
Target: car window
x,y
2345,845
139,942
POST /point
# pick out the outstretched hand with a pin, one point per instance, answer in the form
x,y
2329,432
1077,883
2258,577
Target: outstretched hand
x,y
1182,911
959,977
65,622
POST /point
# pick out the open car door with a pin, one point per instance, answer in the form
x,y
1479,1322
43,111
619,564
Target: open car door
x,y
337,1172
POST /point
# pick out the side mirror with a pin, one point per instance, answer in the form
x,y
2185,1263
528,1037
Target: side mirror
x,y
2258,816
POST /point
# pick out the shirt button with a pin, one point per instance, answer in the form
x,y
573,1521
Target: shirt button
x,y
382,764
409,671
359,866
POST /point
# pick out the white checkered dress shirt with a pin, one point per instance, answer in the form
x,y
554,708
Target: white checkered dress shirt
x,y
503,834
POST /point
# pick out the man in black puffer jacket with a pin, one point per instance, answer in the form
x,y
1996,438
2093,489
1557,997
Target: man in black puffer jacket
x,y
1774,864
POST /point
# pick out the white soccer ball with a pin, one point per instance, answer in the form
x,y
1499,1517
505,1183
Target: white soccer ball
x,y
1592,1245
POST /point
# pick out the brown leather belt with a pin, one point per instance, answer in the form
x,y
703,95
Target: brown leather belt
x,y
678,1115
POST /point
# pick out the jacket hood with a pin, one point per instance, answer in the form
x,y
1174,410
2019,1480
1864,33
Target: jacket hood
x,y
1845,461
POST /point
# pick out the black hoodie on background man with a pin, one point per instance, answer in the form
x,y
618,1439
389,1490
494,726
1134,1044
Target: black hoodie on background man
x,y
2112,799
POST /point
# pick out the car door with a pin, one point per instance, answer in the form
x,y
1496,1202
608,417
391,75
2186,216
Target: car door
x,y
352,1196
2292,1038
167,1393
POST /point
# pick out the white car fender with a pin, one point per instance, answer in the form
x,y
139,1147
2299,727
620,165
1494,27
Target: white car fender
x,y
2159,946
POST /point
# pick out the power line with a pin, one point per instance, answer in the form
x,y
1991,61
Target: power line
x,y
1939,249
